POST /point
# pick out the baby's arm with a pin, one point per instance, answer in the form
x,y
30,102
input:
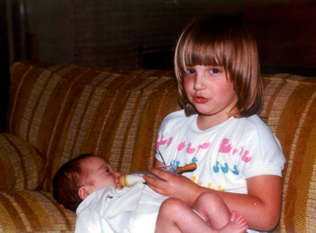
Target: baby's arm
x,y
261,206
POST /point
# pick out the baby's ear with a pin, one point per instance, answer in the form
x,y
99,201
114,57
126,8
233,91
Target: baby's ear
x,y
83,193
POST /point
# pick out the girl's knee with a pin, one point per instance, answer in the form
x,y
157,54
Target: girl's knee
x,y
214,210
173,203
208,200
209,197
171,206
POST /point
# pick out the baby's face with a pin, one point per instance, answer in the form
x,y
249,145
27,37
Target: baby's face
x,y
99,174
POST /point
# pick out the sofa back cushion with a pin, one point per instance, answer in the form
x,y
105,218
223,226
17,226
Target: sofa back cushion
x,y
66,110
290,111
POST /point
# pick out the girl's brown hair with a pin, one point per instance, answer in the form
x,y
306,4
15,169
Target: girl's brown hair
x,y
221,41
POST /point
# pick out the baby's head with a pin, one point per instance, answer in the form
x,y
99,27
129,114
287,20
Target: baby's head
x,y
226,42
79,177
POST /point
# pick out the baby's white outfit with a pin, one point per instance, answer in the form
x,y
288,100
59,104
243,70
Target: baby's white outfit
x,y
109,210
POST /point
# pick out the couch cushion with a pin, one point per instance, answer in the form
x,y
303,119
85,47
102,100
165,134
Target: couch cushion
x,y
21,165
290,111
33,211
65,110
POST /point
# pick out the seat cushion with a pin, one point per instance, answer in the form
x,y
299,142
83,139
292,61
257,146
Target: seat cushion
x,y
32,211
21,165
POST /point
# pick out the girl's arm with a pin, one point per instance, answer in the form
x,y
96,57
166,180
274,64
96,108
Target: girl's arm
x,y
261,206
158,164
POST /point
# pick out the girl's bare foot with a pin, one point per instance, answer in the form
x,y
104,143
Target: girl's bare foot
x,y
237,224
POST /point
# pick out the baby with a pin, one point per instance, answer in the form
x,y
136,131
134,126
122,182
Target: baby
x,y
79,177
89,185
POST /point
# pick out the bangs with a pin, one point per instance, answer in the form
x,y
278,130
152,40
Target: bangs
x,y
201,51
201,55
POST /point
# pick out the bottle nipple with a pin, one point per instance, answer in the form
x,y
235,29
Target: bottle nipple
x,y
123,181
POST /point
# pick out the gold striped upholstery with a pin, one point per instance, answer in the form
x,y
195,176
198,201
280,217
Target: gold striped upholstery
x,y
64,110
33,211
20,164
68,110
290,105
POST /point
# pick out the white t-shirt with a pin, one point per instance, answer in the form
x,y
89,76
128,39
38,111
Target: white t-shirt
x,y
226,154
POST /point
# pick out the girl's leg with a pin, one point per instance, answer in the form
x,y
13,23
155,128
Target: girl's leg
x,y
213,209
176,216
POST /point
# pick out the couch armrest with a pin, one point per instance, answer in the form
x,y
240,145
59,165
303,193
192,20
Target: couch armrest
x,y
21,165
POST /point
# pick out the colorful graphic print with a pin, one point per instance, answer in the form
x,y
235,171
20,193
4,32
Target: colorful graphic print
x,y
225,147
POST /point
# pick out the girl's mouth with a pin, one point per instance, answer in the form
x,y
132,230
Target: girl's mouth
x,y
200,99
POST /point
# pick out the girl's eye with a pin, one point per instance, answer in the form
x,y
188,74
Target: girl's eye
x,y
107,170
214,71
190,71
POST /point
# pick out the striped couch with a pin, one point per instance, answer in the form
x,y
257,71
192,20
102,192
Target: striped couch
x,y
58,111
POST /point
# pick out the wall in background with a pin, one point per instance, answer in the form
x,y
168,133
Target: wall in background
x,y
142,33
112,33
286,35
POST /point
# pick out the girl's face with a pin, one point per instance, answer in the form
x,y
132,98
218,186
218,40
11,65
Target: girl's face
x,y
211,93
99,174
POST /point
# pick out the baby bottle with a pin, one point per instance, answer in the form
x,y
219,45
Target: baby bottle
x,y
130,179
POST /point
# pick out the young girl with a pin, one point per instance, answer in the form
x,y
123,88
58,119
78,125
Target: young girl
x,y
237,155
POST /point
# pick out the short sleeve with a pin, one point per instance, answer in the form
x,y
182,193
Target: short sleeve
x,y
265,156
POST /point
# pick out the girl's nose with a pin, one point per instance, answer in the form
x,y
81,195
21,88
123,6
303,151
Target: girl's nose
x,y
199,83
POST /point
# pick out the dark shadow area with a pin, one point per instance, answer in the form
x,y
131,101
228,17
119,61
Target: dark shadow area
x,y
4,66
307,72
158,58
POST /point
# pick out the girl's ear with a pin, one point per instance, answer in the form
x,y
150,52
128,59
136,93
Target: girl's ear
x,y
83,193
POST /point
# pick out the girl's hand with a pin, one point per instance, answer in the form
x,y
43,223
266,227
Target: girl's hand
x,y
173,185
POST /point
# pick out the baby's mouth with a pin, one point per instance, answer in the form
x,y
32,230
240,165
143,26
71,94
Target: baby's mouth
x,y
118,186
